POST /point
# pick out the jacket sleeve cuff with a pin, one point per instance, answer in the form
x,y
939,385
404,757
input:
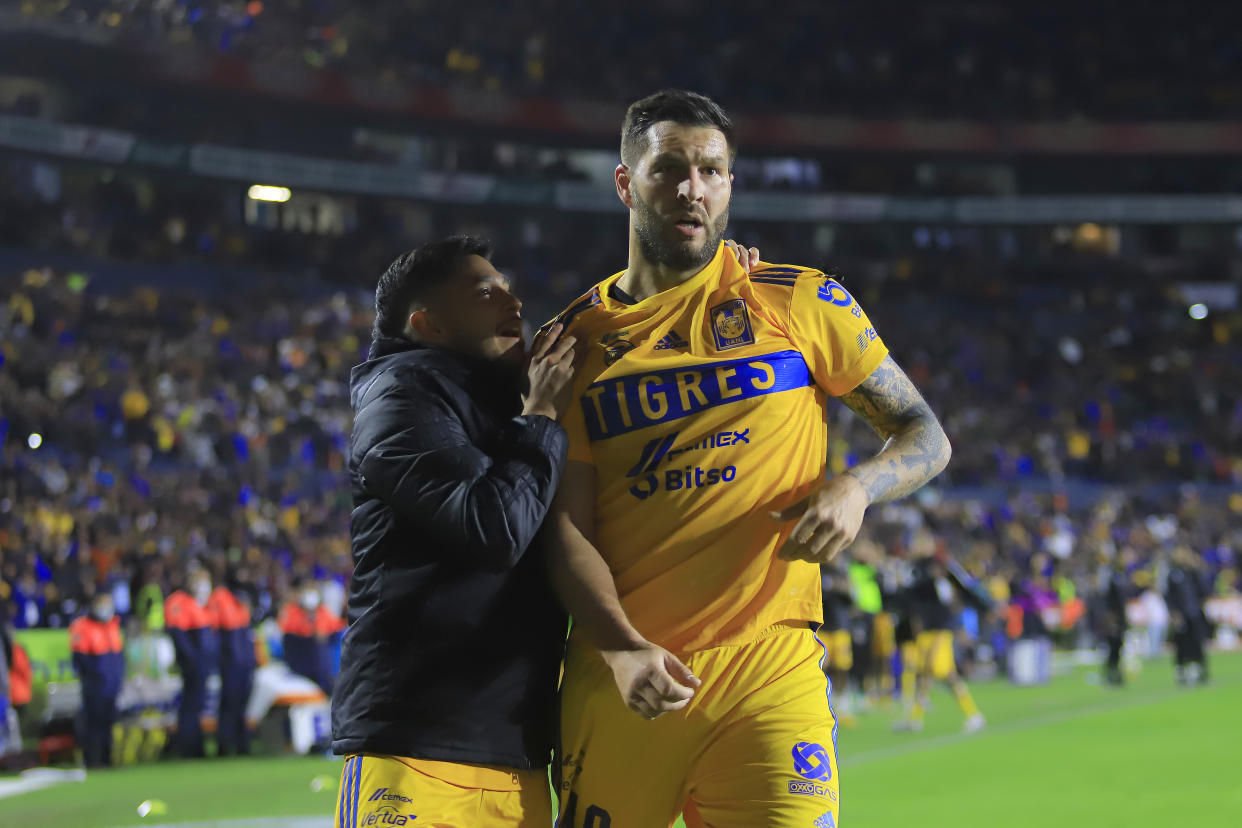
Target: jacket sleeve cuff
x,y
541,434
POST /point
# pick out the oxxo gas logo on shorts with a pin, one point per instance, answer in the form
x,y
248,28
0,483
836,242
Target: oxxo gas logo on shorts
x,y
687,477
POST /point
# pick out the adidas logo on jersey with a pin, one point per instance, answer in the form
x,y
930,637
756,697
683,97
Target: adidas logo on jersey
x,y
671,340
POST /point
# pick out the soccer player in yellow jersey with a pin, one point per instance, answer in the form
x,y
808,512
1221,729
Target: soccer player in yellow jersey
x,y
694,509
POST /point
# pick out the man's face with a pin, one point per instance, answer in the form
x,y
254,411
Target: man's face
x,y
477,315
679,192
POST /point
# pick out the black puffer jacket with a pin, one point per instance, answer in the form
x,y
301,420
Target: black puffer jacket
x,y
455,636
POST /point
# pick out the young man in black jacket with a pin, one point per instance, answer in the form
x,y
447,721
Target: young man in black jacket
x,y
445,704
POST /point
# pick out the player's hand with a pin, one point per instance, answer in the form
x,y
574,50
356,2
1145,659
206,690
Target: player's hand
x,y
550,373
652,681
828,521
747,257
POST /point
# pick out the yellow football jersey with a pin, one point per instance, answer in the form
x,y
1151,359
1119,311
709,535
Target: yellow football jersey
x,y
702,410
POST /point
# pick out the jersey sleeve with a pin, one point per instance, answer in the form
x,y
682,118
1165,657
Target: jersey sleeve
x,y
833,333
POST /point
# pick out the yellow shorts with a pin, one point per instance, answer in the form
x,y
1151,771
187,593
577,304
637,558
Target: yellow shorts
x,y
756,745
935,653
840,648
383,791
884,640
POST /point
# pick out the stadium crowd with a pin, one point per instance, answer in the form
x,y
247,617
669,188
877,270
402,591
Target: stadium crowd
x,y
978,61
146,427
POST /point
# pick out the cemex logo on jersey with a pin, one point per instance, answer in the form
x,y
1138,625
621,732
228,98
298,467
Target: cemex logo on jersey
x,y
382,795
811,762
691,477
670,340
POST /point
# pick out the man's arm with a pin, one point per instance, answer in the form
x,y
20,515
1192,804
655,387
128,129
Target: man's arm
x,y
650,679
482,508
915,450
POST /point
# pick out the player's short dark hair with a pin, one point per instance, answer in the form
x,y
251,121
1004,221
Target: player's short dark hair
x,y
679,106
414,276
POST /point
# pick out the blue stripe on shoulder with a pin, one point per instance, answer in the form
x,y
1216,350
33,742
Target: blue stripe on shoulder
x,y
590,301
790,270
783,282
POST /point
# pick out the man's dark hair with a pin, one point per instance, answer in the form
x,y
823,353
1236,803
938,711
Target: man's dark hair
x,y
679,106
414,276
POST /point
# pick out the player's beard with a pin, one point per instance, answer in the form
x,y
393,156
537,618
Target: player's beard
x,y
650,227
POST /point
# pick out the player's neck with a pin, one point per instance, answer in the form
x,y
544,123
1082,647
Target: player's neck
x,y
643,278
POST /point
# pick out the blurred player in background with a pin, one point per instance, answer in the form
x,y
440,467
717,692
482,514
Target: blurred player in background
x,y
1108,603
445,706
695,513
834,635
928,656
865,622
1186,594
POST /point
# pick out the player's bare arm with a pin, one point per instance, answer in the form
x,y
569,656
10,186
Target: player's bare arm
x,y
651,680
916,447
915,450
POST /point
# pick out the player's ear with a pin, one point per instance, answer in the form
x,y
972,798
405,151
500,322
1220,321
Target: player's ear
x,y
423,326
622,176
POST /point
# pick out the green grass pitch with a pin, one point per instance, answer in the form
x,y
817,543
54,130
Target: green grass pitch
x,y
1067,754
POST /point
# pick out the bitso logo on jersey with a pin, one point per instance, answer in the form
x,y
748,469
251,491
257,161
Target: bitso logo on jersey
x,y
731,325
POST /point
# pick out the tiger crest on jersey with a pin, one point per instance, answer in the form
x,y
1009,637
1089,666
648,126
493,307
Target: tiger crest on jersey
x,y
731,325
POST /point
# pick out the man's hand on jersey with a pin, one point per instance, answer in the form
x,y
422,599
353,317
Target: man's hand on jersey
x,y
828,521
747,257
652,681
550,373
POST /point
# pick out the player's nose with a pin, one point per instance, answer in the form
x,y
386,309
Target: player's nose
x,y
691,188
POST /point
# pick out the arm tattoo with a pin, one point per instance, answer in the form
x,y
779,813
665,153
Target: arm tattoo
x,y
915,449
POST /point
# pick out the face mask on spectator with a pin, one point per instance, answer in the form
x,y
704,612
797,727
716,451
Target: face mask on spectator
x,y
310,600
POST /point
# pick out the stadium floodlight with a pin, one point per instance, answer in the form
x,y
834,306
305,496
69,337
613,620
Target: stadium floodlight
x,y
34,440
263,192
1198,311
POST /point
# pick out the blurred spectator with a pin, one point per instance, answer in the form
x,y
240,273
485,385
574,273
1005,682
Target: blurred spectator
x,y
99,662
309,632
192,626
907,59
237,665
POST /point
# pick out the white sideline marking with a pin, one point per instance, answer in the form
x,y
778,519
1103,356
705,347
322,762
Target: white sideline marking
x,y
37,779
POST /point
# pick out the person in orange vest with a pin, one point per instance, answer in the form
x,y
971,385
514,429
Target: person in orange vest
x,y
95,641
237,664
308,629
191,624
